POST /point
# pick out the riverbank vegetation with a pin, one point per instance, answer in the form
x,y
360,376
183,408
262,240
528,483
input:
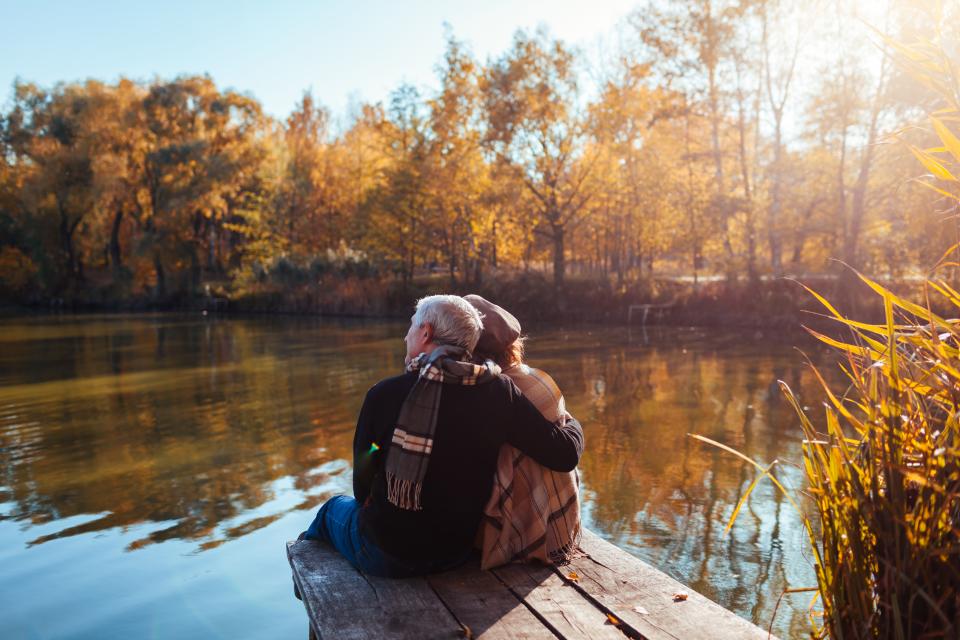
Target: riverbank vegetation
x,y
885,478
716,148
885,474
883,468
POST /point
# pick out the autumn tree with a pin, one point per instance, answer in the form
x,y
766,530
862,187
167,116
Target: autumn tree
x,y
717,142
746,96
456,175
198,171
537,127
630,168
396,206
778,23
693,49
49,132
312,204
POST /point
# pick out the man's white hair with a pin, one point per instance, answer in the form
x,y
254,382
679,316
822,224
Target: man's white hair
x,y
455,321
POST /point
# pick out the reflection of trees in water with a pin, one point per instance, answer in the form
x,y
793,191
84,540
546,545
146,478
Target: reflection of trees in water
x,y
667,497
189,424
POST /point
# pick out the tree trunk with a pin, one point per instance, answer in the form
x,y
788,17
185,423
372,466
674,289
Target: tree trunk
x,y
776,204
748,208
194,271
857,211
777,108
752,274
452,265
618,255
691,214
116,260
696,265
859,202
559,261
161,290
798,242
731,272
408,269
477,272
211,246
751,225
842,187
66,245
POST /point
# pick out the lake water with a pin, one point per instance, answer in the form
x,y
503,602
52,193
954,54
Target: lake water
x,y
152,466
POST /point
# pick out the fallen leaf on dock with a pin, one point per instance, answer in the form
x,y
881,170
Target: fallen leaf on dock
x,y
641,610
680,596
573,576
612,619
466,632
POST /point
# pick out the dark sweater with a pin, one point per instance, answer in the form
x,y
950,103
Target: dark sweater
x,y
472,423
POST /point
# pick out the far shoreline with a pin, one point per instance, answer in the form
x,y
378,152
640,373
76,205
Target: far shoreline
x,y
781,304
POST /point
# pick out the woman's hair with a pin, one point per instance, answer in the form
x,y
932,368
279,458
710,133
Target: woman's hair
x,y
455,321
509,357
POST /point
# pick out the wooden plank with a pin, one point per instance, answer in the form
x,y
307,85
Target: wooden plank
x,y
483,604
558,602
341,602
515,601
641,597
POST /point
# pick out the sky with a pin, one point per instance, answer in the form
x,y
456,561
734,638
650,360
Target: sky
x,y
346,52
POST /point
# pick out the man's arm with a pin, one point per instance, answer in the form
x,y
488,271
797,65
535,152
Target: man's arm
x,y
375,425
365,451
555,446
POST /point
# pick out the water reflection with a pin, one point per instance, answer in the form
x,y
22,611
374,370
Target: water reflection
x,y
666,497
178,422
205,431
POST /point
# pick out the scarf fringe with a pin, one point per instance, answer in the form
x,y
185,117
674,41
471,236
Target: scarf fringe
x,y
567,552
404,493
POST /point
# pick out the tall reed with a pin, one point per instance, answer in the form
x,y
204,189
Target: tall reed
x,y
885,477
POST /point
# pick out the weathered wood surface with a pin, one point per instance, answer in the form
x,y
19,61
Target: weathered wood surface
x,y
482,605
606,594
560,606
344,603
626,586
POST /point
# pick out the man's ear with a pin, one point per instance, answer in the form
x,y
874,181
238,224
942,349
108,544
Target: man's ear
x,y
427,330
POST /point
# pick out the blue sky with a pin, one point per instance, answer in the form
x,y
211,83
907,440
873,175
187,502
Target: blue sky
x,y
344,51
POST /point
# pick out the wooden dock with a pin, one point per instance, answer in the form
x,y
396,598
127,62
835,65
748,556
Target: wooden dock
x,y
606,594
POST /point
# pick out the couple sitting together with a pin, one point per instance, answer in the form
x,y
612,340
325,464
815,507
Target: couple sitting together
x,y
469,448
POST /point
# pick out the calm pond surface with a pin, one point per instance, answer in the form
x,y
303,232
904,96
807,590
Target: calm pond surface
x,y
154,465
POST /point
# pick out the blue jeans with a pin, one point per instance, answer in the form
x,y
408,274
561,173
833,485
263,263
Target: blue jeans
x,y
338,524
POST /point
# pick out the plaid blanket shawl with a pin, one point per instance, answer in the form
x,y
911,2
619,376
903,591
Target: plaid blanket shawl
x,y
412,443
533,512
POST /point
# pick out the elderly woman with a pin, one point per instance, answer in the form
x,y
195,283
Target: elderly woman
x,y
533,512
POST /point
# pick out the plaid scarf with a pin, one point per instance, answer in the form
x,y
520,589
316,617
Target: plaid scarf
x,y
412,443
533,513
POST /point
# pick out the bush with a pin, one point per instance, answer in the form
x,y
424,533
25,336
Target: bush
x,y
17,271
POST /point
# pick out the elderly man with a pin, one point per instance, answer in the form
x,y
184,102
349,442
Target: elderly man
x,y
426,449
